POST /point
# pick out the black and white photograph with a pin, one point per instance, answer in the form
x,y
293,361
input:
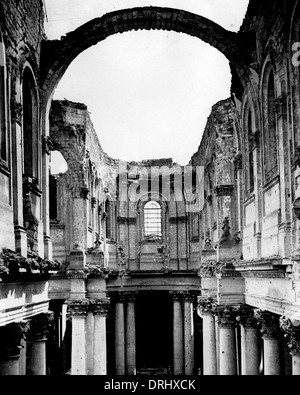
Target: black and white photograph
x,y
149,190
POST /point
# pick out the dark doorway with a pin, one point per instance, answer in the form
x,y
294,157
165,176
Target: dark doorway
x,y
154,335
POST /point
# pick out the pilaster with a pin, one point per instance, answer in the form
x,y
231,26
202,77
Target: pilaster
x,y
99,309
78,310
36,338
292,332
270,330
11,337
206,310
189,340
130,334
227,340
178,347
250,347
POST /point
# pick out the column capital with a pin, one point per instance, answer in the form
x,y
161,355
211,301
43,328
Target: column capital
x,y
40,326
269,323
292,332
130,296
176,295
99,307
10,339
119,297
226,315
206,306
246,317
188,296
78,308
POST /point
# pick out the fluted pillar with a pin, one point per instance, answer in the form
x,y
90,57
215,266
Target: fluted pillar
x,y
271,332
78,310
130,335
227,341
120,336
178,350
100,310
189,356
206,310
36,338
292,331
250,347
11,337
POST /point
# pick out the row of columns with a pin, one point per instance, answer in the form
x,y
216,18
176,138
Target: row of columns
x,y
23,346
220,354
88,349
183,333
125,334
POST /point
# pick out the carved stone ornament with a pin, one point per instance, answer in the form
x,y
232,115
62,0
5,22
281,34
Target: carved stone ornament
x,y
296,208
78,308
10,338
292,332
206,305
188,297
40,326
226,316
281,105
48,145
99,307
93,202
255,139
84,192
246,317
122,220
219,269
224,190
16,111
238,162
176,296
131,296
206,270
226,230
269,323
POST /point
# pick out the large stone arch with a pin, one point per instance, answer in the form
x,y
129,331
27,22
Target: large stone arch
x,y
57,55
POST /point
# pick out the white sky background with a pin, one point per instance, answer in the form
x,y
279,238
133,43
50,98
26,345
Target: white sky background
x,y
149,92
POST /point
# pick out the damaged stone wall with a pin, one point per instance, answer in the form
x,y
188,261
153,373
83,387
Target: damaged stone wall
x,y
95,205
217,153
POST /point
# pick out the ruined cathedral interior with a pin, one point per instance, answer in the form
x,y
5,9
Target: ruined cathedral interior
x,y
150,268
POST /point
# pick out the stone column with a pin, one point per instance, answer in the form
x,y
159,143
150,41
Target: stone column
x,y
16,133
271,333
178,350
36,344
227,341
206,310
78,310
11,337
130,335
120,336
100,310
250,347
189,356
292,331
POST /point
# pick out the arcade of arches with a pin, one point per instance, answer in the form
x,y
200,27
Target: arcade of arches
x,y
112,267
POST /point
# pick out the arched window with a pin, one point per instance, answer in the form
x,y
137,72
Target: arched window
x,y
3,129
30,126
152,220
110,219
250,164
270,138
